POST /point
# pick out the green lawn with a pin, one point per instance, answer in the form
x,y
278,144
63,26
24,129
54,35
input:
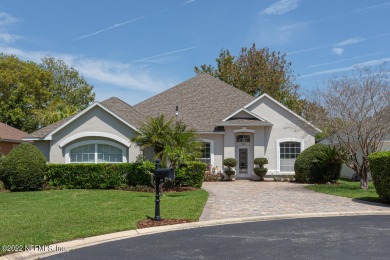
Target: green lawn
x,y
349,189
45,217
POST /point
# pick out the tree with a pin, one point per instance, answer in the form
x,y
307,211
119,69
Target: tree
x,y
358,115
35,95
67,84
171,140
24,89
257,71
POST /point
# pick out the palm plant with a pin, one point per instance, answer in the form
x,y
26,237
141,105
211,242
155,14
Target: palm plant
x,y
154,133
171,142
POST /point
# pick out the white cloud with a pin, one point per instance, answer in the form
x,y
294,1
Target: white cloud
x,y
306,50
372,7
161,58
338,51
8,38
343,60
349,68
350,41
109,28
281,7
293,26
188,2
124,75
6,19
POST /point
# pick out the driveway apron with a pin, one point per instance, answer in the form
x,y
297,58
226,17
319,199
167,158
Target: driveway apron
x,y
244,198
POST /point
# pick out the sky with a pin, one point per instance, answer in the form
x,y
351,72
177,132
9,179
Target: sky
x,y
134,49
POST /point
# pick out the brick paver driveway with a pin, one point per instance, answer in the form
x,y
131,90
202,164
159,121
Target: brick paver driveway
x,y
244,198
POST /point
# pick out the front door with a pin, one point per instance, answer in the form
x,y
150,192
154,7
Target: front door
x,y
243,162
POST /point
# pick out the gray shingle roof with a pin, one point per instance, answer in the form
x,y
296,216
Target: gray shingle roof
x,y
203,101
244,122
115,105
124,110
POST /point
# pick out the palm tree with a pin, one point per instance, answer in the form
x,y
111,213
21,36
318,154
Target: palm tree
x,y
171,142
154,134
183,145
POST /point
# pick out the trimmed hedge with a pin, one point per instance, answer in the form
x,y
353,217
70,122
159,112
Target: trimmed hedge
x,y
190,174
380,172
99,176
304,164
23,168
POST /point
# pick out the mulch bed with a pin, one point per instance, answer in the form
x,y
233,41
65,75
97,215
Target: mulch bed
x,y
164,222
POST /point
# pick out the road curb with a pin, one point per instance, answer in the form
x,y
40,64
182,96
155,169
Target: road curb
x,y
91,241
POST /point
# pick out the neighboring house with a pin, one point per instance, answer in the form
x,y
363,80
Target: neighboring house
x,y
9,138
230,123
347,172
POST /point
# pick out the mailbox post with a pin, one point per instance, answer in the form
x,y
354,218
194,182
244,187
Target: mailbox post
x,y
161,174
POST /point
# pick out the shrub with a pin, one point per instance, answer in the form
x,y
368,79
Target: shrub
x,y
230,162
260,161
304,163
210,177
23,168
99,176
380,172
190,174
260,170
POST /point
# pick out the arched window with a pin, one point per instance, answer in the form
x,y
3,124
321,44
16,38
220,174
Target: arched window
x,y
288,152
95,152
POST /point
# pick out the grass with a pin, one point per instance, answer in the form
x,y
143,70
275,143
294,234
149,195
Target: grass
x,y
349,189
46,217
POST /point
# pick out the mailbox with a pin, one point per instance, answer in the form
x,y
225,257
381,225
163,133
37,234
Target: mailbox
x,y
162,173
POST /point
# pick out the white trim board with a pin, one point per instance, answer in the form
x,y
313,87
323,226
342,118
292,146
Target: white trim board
x,y
95,134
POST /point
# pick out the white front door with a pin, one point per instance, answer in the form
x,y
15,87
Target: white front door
x,y
244,165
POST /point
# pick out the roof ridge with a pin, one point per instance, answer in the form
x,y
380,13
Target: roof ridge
x,y
125,103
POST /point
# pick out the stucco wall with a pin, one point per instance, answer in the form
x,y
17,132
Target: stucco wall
x,y
218,147
6,147
94,120
285,125
44,147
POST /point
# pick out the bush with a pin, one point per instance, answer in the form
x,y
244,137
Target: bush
x,y
380,172
190,174
23,168
99,176
260,161
304,163
230,162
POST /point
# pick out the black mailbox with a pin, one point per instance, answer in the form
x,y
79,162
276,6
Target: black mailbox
x,y
162,173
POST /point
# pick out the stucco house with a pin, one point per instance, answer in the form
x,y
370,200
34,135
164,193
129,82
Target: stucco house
x,y
230,123
9,138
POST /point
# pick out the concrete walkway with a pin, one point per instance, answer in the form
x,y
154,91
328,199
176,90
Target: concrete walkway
x,y
244,198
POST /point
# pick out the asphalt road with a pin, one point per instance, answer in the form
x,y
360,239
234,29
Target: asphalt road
x,y
360,237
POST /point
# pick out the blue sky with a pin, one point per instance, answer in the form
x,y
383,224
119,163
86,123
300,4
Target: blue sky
x,y
136,49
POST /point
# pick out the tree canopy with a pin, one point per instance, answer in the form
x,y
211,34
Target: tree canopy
x,y
257,71
34,95
357,115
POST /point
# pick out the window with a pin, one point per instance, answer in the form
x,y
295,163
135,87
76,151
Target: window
x,y
206,153
96,153
288,153
243,138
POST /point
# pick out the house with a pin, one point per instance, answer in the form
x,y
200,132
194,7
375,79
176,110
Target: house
x,y
230,123
9,138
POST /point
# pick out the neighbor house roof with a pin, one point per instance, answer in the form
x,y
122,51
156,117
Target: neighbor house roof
x,y
203,101
9,133
117,107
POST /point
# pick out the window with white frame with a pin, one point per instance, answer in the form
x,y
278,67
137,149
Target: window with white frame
x,y
206,153
288,152
90,152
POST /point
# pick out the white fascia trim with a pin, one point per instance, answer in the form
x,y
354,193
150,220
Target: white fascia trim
x,y
95,134
211,132
95,142
211,149
278,150
31,139
246,111
49,136
285,108
244,130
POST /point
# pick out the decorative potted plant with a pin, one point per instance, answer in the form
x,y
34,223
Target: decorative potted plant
x,y
230,163
259,170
